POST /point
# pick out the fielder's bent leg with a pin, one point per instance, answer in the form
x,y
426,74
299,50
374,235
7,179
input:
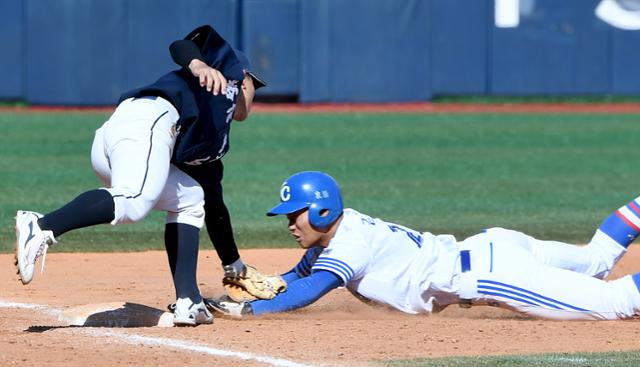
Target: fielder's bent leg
x,y
137,141
183,200
88,209
217,220
181,243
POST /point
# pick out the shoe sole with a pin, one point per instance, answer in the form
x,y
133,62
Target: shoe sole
x,y
15,257
15,254
211,306
182,323
189,322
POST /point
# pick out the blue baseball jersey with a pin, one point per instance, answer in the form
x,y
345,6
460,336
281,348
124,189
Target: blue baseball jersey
x,y
205,120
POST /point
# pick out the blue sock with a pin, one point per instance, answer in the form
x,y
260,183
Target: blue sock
x,y
623,225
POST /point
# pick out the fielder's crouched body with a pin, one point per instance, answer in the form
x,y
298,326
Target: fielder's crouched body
x,y
141,154
418,272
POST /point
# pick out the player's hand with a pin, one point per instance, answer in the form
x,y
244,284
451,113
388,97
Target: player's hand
x,y
228,307
209,77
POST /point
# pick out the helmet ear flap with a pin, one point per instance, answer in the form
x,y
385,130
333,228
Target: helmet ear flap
x,y
315,218
321,217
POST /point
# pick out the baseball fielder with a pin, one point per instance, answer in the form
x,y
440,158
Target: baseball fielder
x,y
183,119
418,272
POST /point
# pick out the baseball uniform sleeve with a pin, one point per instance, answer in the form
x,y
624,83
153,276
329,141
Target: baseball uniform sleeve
x,y
184,51
303,268
290,276
300,293
347,260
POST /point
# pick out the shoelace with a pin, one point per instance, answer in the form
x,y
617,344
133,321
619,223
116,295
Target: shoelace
x,y
42,251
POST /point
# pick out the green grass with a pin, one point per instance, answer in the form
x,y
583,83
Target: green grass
x,y
13,103
552,176
617,359
584,99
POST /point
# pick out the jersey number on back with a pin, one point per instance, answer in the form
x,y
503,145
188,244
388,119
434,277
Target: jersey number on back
x,y
413,235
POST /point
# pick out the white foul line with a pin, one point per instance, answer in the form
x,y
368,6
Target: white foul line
x,y
194,347
130,338
46,309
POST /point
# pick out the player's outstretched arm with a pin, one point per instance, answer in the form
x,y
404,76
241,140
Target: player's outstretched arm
x,y
301,270
187,54
290,276
300,293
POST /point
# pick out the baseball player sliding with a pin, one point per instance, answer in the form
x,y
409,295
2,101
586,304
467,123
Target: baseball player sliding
x,y
418,272
161,150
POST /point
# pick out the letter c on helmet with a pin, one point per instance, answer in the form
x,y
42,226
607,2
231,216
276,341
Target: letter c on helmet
x,y
285,193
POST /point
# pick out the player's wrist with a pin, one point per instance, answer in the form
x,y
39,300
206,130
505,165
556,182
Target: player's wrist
x,y
234,269
195,64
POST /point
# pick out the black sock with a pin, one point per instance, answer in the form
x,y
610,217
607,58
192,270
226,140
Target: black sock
x,y
220,231
218,220
88,209
181,242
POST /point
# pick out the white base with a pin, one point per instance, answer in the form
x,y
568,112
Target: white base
x,y
116,314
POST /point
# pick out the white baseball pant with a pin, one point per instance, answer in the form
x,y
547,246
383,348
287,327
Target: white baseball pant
x,y
548,279
131,154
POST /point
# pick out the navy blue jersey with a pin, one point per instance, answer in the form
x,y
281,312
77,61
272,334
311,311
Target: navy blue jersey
x,y
205,119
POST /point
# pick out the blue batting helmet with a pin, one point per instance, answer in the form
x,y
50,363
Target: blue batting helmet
x,y
314,190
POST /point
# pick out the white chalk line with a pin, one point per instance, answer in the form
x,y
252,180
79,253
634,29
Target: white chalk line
x,y
130,338
30,306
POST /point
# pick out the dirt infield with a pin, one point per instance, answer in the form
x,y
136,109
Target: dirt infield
x,y
337,330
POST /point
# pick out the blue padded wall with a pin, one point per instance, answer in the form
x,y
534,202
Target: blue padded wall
x,y
357,52
12,43
315,51
459,46
625,62
70,51
560,48
89,52
271,40
151,29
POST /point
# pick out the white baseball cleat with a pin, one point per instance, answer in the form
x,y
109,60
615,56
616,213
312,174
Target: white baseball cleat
x,y
188,313
31,243
228,307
